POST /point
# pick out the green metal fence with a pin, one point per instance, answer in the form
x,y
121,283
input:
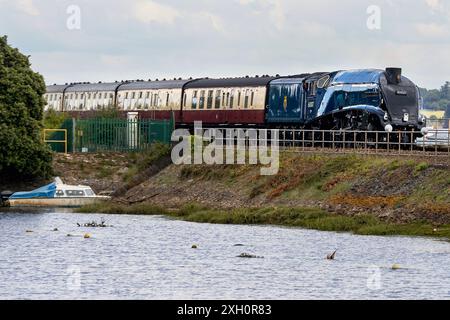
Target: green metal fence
x,y
120,135
116,135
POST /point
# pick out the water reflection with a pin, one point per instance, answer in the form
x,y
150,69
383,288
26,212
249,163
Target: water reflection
x,y
145,257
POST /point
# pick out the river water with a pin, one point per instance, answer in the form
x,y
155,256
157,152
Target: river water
x,y
146,257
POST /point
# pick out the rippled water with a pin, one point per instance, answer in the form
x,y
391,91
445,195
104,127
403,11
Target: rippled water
x,y
144,257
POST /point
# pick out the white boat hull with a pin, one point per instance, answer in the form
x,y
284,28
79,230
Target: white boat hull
x,y
56,202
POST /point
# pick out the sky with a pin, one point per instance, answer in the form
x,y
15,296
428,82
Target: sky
x,y
108,40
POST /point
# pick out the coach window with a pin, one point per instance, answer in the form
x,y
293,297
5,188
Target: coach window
x,y
140,95
194,100
228,99
184,99
210,99
126,95
133,95
218,96
246,100
231,99
201,104
239,98
252,99
224,99
148,94
167,99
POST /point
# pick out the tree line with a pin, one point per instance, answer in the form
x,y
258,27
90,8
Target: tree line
x,y
437,99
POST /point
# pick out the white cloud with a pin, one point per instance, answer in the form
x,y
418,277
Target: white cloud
x,y
274,9
114,60
215,21
432,30
277,14
435,5
26,6
147,11
168,38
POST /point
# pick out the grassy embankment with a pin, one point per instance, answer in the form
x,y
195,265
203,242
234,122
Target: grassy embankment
x,y
307,218
364,184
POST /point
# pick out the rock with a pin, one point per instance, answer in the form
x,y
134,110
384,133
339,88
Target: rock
x,y
249,256
87,236
29,231
94,224
194,246
396,267
56,229
331,256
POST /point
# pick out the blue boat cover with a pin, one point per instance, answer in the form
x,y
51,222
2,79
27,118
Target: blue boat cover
x,y
47,191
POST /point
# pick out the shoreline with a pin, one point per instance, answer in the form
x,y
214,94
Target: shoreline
x,y
304,218
344,193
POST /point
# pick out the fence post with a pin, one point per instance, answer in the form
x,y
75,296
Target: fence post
x,y
74,131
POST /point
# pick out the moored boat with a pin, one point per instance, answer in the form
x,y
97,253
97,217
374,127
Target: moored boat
x,y
56,194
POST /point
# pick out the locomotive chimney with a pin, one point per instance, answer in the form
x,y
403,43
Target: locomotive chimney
x,y
394,75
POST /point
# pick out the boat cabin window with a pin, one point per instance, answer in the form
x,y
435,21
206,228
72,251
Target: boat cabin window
x,y
89,192
59,193
75,193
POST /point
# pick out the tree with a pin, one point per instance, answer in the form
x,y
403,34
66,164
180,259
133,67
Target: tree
x,y
447,112
445,91
447,117
22,152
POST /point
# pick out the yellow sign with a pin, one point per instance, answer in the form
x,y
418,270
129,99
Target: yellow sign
x,y
285,103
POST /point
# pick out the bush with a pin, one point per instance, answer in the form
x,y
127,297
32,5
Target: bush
x,y
54,120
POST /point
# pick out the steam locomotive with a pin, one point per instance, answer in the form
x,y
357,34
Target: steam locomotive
x,y
368,99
